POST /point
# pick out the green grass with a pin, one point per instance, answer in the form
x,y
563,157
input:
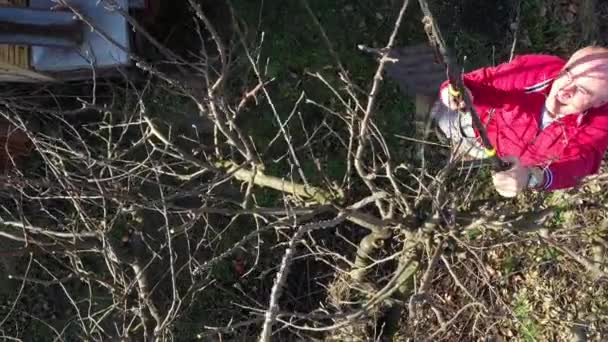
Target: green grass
x,y
542,31
549,254
528,329
473,234
294,47
509,265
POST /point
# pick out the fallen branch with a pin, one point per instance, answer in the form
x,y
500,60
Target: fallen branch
x,y
595,272
281,277
257,177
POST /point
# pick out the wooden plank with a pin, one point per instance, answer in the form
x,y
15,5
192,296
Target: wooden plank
x,y
12,73
17,55
15,59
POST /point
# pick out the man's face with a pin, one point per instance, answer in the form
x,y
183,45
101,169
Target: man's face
x,y
582,84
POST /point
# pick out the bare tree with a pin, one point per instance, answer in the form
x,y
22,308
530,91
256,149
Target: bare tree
x,y
126,214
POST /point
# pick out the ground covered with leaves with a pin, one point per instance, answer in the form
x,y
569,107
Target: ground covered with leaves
x,y
218,243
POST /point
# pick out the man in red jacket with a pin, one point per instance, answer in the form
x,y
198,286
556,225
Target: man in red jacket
x,y
549,117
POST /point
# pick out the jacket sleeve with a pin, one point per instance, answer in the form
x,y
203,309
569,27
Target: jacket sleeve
x,y
579,159
489,85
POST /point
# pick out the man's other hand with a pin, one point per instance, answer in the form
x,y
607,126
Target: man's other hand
x,y
511,182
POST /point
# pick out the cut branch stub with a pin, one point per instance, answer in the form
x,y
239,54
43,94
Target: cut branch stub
x,y
368,246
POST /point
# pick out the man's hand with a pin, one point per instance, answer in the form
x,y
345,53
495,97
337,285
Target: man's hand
x,y
511,182
454,102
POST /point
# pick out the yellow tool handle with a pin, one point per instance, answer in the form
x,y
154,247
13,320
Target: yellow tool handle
x,y
453,91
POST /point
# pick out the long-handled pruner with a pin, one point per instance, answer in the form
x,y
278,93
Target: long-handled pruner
x,y
456,87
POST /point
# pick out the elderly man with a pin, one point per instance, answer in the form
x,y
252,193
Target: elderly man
x,y
547,116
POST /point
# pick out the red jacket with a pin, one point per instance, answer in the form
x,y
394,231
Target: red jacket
x,y
510,98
